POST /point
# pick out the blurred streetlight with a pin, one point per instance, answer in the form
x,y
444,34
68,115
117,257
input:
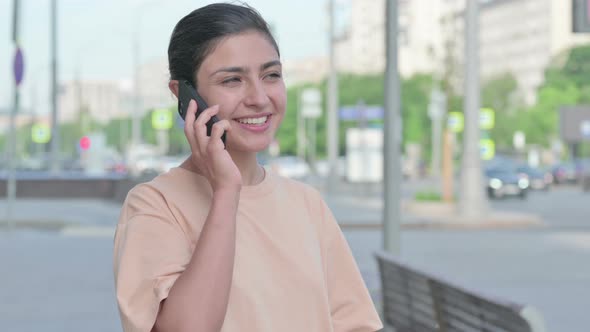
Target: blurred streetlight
x,y
473,203
392,132
55,162
333,134
18,75
137,101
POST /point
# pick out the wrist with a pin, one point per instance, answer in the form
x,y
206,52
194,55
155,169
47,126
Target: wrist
x,y
227,193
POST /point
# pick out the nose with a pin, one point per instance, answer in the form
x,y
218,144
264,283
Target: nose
x,y
256,96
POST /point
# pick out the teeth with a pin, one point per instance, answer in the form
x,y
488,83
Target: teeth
x,y
255,121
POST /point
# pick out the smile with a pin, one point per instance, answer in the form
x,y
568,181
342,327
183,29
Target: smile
x,y
253,121
255,124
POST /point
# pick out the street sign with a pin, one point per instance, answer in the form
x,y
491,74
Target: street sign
x,y
41,133
585,129
487,149
456,122
311,103
486,118
356,112
19,66
162,119
519,140
438,104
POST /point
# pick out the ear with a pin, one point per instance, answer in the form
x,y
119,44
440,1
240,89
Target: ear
x,y
173,86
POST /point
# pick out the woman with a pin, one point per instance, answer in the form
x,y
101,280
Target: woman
x,y
218,244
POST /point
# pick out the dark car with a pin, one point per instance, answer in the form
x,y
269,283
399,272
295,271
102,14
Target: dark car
x,y
502,182
538,179
564,173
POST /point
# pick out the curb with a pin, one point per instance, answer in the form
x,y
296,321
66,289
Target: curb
x,y
454,223
62,227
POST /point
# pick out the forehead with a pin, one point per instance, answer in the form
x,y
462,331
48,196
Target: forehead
x,y
247,49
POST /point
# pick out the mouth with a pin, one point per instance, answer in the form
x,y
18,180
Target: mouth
x,y
254,121
255,124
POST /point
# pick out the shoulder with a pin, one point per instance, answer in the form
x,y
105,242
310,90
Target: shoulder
x,y
152,197
311,198
299,188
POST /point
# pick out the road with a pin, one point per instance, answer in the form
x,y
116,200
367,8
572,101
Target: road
x,y
61,280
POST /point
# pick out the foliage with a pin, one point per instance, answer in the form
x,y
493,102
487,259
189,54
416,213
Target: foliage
x,y
428,196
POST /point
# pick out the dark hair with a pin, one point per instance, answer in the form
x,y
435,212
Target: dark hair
x,y
196,35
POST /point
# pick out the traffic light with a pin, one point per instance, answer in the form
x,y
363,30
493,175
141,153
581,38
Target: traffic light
x,y
581,16
85,143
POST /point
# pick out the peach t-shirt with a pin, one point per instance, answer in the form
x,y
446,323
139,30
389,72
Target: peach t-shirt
x,y
293,268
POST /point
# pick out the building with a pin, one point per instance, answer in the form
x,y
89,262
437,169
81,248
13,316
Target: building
x,y
522,37
516,36
420,43
306,70
103,100
153,85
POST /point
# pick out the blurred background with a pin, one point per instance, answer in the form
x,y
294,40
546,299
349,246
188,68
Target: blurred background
x,y
84,97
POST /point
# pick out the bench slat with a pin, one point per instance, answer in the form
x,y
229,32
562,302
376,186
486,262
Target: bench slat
x,y
416,301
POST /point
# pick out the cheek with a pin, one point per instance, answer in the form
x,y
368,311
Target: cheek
x,y
279,97
227,104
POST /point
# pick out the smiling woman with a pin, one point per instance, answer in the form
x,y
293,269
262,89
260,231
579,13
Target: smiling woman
x,y
218,243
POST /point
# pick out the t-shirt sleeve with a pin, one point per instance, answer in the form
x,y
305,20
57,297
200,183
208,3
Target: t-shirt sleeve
x,y
351,305
150,252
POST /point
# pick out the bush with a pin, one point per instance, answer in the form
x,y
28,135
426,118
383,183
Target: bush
x,y
430,196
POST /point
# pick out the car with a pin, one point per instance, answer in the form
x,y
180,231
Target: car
x,y
564,173
504,182
538,179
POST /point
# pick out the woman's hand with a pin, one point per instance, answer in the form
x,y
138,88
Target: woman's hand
x,y
208,154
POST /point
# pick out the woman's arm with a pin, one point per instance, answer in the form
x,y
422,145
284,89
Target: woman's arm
x,y
198,300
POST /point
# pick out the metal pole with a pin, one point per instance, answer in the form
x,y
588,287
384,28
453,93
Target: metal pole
x,y
392,131
301,139
11,181
312,147
55,162
136,116
333,132
436,112
472,203
11,184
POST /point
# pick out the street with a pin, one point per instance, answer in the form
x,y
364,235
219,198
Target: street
x,y
61,279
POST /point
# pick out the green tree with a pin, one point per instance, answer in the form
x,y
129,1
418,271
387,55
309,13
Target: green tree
x,y
499,94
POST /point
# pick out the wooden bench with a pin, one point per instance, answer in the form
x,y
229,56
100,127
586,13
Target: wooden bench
x,y
414,301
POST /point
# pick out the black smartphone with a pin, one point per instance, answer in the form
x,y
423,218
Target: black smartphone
x,y
186,92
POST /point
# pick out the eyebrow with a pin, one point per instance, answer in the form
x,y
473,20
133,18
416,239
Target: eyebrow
x,y
243,70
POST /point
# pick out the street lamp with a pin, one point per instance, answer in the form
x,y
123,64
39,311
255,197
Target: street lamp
x,y
137,101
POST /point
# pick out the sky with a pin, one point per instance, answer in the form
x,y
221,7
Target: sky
x,y
95,38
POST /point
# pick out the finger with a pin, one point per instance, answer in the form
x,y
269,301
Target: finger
x,y
215,142
189,129
200,125
218,129
191,112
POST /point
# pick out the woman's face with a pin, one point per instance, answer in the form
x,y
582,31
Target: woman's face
x,y
243,75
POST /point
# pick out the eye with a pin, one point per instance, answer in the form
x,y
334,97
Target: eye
x,y
231,80
274,76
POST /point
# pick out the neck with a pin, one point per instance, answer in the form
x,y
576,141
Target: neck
x,y
252,173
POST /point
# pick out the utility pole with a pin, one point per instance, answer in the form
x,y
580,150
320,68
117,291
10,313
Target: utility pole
x,y
18,75
436,111
393,133
333,131
472,203
137,107
55,159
